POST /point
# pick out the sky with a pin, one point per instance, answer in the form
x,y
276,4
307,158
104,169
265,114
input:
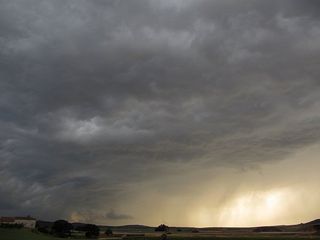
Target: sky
x,y
183,112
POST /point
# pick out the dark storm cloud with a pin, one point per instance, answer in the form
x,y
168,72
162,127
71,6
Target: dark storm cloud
x,y
97,95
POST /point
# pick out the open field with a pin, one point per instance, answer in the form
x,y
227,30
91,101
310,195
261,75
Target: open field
x,y
24,234
141,232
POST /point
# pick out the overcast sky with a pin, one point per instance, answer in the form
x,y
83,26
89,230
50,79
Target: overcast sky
x,y
194,113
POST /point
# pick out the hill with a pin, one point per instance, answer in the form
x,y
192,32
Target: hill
x,y
314,222
136,229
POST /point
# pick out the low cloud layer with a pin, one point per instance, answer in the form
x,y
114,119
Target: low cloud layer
x,y
106,104
117,216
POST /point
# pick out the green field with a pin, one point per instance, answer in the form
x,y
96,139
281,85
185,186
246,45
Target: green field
x,y
22,234
221,238
25,234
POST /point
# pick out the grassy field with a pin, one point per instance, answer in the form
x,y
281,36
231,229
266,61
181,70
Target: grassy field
x,y
222,238
234,237
24,234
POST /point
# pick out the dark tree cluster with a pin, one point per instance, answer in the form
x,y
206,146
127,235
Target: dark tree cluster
x,y
162,228
92,231
61,228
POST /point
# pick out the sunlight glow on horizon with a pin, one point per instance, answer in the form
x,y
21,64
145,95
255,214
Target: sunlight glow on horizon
x,y
256,208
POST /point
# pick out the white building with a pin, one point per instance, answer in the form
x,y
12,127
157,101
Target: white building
x,y
27,222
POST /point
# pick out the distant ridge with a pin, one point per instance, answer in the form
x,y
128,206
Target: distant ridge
x,y
132,225
314,222
297,227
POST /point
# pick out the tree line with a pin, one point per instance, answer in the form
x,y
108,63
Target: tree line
x,y
62,229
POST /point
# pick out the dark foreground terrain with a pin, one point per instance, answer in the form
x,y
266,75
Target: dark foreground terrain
x,y
138,232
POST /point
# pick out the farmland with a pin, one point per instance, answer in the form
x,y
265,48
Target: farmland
x,y
24,234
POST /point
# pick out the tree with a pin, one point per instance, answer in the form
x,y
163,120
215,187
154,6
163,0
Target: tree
x,y
61,228
162,228
91,230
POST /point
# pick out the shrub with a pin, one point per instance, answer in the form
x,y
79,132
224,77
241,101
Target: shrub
x,y
62,228
162,228
92,230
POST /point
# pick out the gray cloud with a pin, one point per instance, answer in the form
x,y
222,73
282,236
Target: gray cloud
x,y
97,96
117,216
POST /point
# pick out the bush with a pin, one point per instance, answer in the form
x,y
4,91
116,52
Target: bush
x,y
92,230
62,228
162,228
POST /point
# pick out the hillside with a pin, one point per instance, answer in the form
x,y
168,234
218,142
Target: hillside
x,y
135,228
314,222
